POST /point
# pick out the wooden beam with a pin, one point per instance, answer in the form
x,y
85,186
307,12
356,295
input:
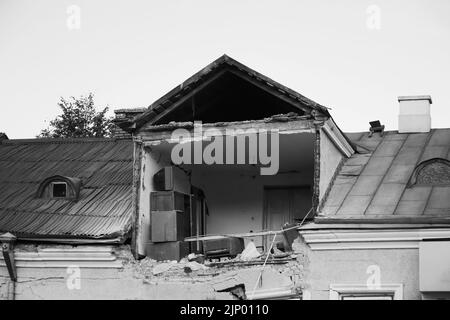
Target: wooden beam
x,y
137,159
186,97
273,92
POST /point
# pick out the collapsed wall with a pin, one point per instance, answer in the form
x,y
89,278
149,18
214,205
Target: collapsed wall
x,y
100,272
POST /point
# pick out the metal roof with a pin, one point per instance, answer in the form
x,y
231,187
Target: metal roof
x,y
373,183
103,210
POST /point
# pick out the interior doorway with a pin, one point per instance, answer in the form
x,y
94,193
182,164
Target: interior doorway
x,y
284,205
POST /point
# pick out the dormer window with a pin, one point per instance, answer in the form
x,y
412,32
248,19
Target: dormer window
x,y
431,172
59,188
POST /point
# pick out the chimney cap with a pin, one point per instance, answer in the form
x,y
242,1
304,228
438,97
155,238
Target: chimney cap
x,y
415,98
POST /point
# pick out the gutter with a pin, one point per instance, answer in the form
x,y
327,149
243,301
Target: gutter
x,y
7,241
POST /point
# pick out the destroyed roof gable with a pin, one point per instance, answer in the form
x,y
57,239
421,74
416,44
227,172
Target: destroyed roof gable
x,y
101,213
170,101
377,183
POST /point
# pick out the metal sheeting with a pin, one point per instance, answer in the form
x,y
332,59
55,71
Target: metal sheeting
x,y
103,210
376,184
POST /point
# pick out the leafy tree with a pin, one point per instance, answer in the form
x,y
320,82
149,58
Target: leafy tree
x,y
79,119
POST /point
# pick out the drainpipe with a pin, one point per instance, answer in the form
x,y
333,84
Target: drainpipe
x,y
7,241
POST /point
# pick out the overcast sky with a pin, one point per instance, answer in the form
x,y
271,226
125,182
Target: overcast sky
x,y
353,56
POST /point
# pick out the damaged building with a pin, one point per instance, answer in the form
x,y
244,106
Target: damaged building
x,y
230,186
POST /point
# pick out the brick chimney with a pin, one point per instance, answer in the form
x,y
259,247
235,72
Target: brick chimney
x,y
414,114
123,115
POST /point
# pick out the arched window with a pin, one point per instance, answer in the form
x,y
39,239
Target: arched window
x,y
431,172
59,187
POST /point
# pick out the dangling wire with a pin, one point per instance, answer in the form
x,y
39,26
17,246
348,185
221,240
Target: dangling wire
x,y
270,249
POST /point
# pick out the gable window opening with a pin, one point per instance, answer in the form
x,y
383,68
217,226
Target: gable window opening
x,y
59,189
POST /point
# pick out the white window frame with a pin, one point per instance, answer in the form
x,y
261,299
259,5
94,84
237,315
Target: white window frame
x,y
393,289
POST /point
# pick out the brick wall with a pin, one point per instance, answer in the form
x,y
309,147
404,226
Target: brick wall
x,y
125,114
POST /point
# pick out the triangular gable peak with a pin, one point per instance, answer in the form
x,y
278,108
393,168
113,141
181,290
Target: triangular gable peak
x,y
226,91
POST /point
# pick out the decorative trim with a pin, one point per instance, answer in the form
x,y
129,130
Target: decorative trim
x,y
419,167
371,239
394,289
73,187
337,138
93,257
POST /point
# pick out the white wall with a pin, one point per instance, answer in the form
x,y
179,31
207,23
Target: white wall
x,y
152,161
235,200
330,157
43,275
234,193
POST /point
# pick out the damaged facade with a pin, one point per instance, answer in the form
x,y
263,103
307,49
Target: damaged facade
x,y
312,214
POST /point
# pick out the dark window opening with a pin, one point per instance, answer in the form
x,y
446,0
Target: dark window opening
x,y
59,189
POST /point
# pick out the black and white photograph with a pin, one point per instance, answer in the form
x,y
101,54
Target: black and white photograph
x,y
224,154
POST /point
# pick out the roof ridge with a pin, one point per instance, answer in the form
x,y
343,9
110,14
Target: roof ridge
x,y
61,140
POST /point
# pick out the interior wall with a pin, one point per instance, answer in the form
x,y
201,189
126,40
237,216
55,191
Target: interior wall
x,y
234,193
235,201
151,162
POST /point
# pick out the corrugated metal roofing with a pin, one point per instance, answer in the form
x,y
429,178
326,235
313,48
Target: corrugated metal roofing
x,y
103,210
375,184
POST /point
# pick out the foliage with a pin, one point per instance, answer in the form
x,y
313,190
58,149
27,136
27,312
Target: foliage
x,y
79,119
